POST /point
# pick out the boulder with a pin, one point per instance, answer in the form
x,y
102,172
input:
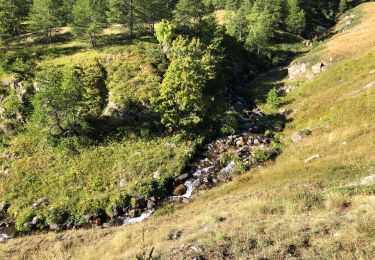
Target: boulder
x,y
114,223
55,227
312,158
226,174
174,234
151,203
180,190
4,206
35,221
296,70
317,68
182,178
140,203
39,202
298,136
134,213
117,211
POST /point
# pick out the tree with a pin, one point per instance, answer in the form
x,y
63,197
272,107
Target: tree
x,y
9,20
188,11
238,23
182,101
164,34
151,11
89,19
260,30
343,6
123,12
295,20
66,99
46,16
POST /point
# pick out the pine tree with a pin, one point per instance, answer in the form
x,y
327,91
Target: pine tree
x,y
124,12
295,21
164,34
188,11
151,11
89,19
46,16
238,23
182,102
9,20
261,29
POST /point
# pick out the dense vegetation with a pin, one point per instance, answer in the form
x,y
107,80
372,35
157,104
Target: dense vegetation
x,y
90,98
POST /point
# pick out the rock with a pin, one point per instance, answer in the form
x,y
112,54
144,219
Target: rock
x,y
55,227
140,203
4,206
134,213
123,182
117,211
226,174
174,234
89,217
151,203
180,190
39,202
170,145
244,149
317,68
298,136
286,89
369,85
256,141
312,158
4,225
4,237
296,70
114,223
156,175
35,221
182,178
367,180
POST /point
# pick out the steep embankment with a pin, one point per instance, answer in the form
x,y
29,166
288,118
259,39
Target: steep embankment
x,y
295,207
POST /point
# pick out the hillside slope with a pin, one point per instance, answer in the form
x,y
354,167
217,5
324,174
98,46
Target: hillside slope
x,y
292,208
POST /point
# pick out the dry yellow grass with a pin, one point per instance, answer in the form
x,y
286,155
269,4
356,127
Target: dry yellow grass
x,y
288,209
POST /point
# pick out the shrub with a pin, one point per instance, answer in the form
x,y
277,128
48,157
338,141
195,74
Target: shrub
x,y
273,99
261,155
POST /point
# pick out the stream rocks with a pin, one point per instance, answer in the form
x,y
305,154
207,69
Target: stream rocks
x,y
179,190
226,174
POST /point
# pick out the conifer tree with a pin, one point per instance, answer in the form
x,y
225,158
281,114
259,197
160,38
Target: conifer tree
x,y
124,12
9,20
89,19
189,11
181,100
295,21
46,16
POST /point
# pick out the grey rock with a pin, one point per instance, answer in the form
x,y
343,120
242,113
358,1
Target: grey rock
x,y
151,203
55,227
312,158
39,202
296,70
180,190
35,221
174,234
114,223
318,68
226,174
298,136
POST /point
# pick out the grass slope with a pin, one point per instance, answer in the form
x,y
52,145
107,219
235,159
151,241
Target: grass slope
x,y
288,209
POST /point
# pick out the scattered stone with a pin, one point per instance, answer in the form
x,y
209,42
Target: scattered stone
x,y
298,136
182,177
35,221
114,223
4,206
312,158
369,85
140,203
151,203
55,227
156,175
296,70
369,180
4,225
123,182
174,234
134,213
4,238
318,68
180,190
226,174
39,202
170,145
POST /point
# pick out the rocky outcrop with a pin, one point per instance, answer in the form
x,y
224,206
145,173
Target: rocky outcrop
x,y
226,174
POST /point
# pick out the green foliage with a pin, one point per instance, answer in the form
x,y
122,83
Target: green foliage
x,y
187,12
123,12
261,155
273,99
46,16
24,217
295,20
181,101
164,34
228,123
67,98
241,168
89,19
9,20
238,23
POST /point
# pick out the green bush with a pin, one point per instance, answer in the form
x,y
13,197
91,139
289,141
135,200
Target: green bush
x,y
25,216
261,155
273,99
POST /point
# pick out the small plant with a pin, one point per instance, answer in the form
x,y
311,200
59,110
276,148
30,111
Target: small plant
x,y
262,155
241,168
273,99
145,254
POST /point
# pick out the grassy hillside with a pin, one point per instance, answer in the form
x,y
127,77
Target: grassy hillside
x,y
290,208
